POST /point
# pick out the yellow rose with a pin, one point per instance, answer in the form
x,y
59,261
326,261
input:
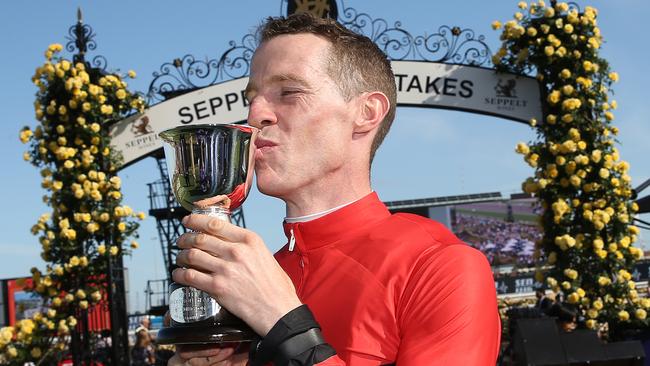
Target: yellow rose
x,y
72,321
92,227
551,282
640,314
114,250
598,305
549,12
551,119
121,226
74,261
603,173
604,281
96,296
131,74
118,211
522,148
101,249
141,215
106,109
11,351
591,323
549,51
554,97
623,315
567,118
571,273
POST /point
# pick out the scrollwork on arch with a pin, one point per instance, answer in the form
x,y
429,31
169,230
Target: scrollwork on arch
x,y
450,44
188,73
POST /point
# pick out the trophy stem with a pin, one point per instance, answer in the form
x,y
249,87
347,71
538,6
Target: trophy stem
x,y
219,212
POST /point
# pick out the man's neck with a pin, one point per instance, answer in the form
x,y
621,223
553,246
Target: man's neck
x,y
314,216
318,203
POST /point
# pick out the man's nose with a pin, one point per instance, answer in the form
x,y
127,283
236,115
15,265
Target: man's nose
x,y
260,113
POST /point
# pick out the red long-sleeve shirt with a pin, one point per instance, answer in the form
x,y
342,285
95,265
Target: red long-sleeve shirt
x,y
393,288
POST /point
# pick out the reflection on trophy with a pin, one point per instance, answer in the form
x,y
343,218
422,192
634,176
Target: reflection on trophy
x,y
211,171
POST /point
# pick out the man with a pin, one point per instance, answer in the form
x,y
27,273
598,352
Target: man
x,y
354,285
543,302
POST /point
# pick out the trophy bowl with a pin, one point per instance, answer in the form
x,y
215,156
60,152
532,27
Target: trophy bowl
x,y
211,171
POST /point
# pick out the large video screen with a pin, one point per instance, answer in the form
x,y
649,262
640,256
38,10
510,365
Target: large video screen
x,y
505,231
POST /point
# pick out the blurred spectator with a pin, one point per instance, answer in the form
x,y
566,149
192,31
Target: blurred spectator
x,y
142,354
543,302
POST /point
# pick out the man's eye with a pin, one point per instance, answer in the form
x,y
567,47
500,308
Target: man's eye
x,y
289,92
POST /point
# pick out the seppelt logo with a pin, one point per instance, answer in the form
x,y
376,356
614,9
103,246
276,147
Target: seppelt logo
x,y
141,127
505,96
143,133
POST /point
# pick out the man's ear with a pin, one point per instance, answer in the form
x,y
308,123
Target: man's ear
x,y
373,108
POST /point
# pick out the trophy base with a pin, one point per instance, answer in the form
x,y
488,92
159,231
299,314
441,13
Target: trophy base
x,y
203,335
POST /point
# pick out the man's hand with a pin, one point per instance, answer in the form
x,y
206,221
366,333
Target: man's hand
x,y
225,355
234,266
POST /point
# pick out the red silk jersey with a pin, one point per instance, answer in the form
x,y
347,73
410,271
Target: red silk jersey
x,y
393,288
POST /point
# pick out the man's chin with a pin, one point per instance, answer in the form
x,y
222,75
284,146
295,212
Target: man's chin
x,y
270,189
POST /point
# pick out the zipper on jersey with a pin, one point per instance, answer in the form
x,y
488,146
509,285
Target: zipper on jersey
x,y
301,263
292,241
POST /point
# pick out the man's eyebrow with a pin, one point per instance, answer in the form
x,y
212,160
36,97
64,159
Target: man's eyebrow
x,y
251,88
289,77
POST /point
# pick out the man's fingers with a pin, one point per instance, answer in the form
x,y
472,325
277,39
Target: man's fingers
x,y
201,241
176,360
217,227
197,279
197,259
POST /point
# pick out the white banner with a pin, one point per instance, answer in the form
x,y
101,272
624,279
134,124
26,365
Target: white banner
x,y
137,136
467,88
419,84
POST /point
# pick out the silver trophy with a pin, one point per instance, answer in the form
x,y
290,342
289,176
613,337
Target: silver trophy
x,y
211,171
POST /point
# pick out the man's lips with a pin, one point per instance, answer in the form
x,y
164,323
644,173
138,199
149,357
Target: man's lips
x,y
262,143
263,146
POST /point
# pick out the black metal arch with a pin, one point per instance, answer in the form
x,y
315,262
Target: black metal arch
x,y
453,45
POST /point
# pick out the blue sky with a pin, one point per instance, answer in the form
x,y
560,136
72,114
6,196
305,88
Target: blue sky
x,y
428,153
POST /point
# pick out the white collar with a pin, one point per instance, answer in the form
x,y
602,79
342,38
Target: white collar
x,y
314,216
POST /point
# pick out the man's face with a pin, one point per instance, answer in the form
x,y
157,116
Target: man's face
x,y
306,124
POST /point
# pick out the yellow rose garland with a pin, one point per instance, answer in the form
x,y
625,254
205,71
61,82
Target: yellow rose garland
x,y
579,178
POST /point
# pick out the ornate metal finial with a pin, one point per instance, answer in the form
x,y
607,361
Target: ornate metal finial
x,y
455,31
318,8
81,39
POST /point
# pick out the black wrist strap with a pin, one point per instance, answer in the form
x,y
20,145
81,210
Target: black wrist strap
x,y
294,333
297,345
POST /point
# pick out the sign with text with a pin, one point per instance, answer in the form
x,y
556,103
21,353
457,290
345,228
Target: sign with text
x,y
137,136
467,88
419,84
